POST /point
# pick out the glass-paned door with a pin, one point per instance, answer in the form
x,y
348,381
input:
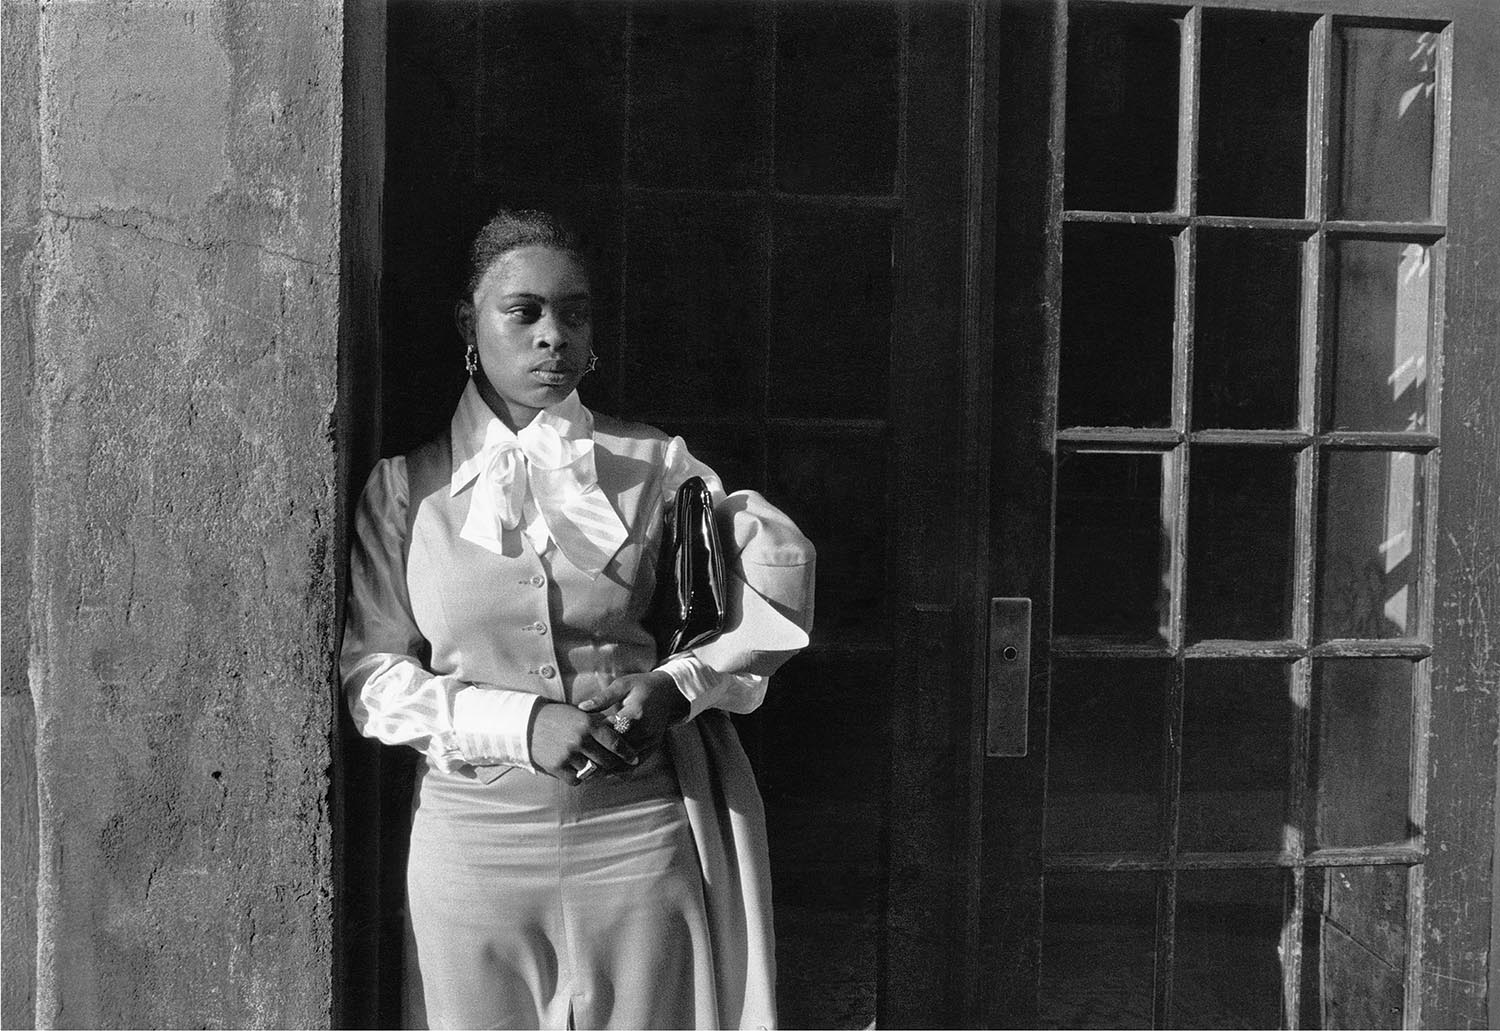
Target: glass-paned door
x,y
1242,314
1243,451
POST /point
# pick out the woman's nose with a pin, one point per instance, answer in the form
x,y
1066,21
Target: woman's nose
x,y
550,333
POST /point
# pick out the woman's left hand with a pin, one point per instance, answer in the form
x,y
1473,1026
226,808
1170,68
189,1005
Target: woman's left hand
x,y
650,701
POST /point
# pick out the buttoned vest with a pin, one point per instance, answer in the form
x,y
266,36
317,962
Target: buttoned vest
x,y
527,621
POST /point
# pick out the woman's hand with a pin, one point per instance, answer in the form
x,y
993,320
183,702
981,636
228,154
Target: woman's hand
x,y
564,738
650,701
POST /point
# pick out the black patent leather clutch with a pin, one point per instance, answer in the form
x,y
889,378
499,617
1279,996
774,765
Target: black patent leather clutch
x,y
688,607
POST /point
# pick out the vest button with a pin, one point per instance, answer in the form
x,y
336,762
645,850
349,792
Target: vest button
x,y
547,672
538,580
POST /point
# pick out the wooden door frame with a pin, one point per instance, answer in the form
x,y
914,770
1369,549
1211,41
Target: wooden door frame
x,y
1455,947
1000,944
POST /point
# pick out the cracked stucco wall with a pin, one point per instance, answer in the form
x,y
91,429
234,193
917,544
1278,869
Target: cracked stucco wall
x,y
181,462
21,197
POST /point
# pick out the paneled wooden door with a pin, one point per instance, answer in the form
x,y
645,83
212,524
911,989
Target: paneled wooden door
x,y
776,197
1244,310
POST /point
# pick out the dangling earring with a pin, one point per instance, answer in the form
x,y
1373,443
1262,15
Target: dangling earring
x,y
471,358
593,363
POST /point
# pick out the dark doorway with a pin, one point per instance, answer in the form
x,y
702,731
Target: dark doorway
x,y
773,193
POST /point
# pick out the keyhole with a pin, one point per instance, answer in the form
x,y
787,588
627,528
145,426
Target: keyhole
x,y
1010,653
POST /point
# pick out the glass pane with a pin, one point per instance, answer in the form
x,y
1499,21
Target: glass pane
x,y
1361,744
1098,950
1388,86
1354,952
1109,577
693,99
829,829
1252,151
1236,758
1122,110
1117,322
1228,971
831,298
1249,289
1104,755
836,97
558,67
1382,291
694,323
826,483
1370,520
1239,574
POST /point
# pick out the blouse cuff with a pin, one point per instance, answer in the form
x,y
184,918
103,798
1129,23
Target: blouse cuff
x,y
690,675
492,726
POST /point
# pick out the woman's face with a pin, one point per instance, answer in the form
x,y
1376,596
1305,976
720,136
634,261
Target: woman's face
x,y
531,321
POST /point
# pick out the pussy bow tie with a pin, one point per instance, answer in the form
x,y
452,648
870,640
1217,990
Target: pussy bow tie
x,y
548,485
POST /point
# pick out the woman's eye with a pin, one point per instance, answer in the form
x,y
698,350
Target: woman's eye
x,y
524,312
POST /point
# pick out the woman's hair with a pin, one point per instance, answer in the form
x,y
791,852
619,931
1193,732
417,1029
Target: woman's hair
x,y
508,229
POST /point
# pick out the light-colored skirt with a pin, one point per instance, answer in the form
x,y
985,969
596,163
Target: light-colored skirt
x,y
538,905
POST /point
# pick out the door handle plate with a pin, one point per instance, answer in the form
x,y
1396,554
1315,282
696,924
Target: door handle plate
x,y
1008,677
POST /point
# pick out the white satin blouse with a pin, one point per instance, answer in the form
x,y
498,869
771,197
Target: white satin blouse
x,y
535,502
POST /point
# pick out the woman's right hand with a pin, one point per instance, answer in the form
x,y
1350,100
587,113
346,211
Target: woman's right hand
x,y
564,738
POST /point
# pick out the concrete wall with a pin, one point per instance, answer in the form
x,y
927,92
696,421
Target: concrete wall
x,y
19,141
174,472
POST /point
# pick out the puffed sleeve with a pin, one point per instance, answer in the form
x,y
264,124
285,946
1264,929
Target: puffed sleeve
x,y
770,596
391,695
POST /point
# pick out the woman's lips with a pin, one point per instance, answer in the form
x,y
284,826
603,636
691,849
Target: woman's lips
x,y
554,376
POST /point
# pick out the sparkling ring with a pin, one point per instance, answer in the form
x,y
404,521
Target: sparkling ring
x,y
587,770
622,723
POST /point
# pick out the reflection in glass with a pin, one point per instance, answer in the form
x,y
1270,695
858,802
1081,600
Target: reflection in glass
x,y
693,274
1098,950
831,306
1239,573
1354,950
1117,322
1228,971
1245,331
824,481
707,53
1382,292
1361,751
1104,758
1236,739
1252,155
1370,513
1122,110
1110,577
1388,86
836,97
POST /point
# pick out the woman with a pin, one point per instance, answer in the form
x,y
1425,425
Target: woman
x,y
587,844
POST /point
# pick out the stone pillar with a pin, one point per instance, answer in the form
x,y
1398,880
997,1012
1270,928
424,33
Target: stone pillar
x,y
22,213
184,497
